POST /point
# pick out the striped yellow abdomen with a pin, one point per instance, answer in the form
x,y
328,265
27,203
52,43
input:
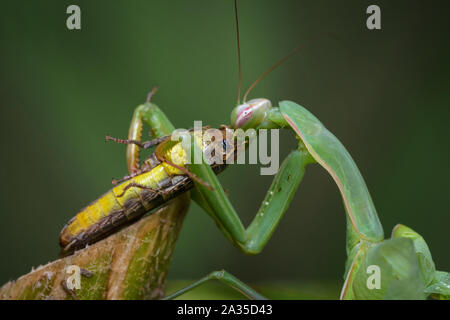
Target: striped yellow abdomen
x,y
110,203
120,205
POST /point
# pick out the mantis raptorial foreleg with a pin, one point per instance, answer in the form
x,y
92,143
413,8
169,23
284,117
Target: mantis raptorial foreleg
x,y
158,122
160,128
278,197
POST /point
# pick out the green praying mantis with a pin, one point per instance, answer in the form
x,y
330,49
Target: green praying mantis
x,y
404,264
397,268
376,268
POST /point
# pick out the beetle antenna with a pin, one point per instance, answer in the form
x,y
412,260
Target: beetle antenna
x,y
239,51
270,70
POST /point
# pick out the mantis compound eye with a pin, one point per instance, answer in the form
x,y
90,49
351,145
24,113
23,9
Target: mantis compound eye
x,y
250,114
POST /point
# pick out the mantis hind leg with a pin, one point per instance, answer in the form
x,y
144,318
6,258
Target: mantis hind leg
x,y
226,278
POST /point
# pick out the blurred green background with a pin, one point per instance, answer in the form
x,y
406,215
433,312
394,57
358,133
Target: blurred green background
x,y
385,94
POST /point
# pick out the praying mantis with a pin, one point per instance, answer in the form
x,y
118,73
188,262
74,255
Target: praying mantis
x,y
403,263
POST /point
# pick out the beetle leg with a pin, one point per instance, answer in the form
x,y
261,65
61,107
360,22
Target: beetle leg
x,y
136,185
130,176
185,171
143,145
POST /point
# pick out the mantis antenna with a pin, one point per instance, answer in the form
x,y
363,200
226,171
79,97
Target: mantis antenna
x,y
239,51
330,35
239,60
269,70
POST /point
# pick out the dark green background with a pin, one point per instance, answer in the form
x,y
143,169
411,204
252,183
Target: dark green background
x,y
384,94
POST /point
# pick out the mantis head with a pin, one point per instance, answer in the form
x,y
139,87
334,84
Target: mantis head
x,y
250,114
253,113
